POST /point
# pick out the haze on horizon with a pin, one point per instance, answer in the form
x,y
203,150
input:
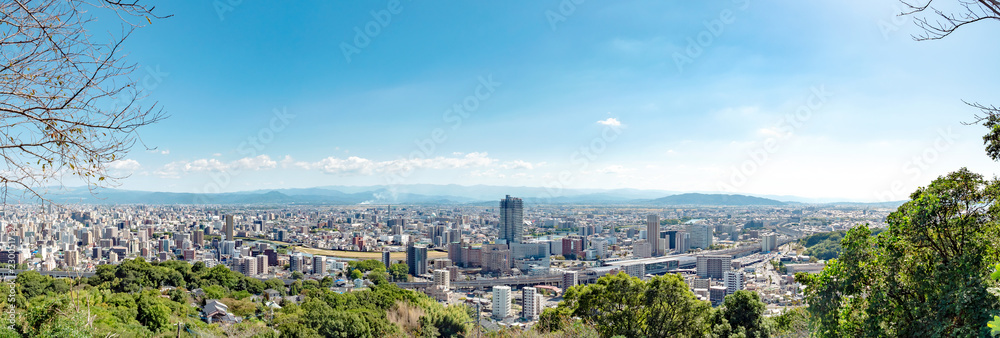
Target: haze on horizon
x,y
821,100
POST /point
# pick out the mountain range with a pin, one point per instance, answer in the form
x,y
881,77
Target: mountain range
x,y
436,194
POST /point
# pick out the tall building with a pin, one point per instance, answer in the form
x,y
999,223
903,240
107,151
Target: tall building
x,y
501,301
713,266
671,237
262,264
248,266
511,219
319,265
230,232
416,259
569,280
199,238
295,263
701,236
529,303
683,242
768,242
653,234
733,281
386,259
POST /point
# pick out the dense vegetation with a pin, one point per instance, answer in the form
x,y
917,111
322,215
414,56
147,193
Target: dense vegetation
x,y
664,306
826,245
142,299
927,275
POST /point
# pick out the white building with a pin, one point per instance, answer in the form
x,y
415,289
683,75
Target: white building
x,y
768,242
734,281
442,277
501,302
642,249
530,302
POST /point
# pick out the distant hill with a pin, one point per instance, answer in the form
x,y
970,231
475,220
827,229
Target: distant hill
x,y
714,199
427,194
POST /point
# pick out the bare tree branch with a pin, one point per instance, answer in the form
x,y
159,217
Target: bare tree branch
x,y
68,104
944,23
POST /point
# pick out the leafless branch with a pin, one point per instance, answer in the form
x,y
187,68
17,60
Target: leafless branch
x,y
942,23
68,104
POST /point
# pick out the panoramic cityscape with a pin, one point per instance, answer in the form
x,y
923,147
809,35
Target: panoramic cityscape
x,y
561,168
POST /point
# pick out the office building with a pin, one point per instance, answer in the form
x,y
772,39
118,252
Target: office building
x,y
230,231
768,242
501,302
416,259
511,219
641,249
386,259
701,236
670,236
295,263
683,242
262,264
713,266
653,234
319,265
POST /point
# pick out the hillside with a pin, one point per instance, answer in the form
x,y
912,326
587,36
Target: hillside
x,y
714,199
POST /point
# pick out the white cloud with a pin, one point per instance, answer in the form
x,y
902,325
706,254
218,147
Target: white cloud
x,y
165,152
518,164
611,121
613,169
126,165
217,154
355,165
254,163
176,168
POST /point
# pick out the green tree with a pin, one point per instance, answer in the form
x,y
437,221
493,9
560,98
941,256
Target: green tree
x,y
624,305
399,271
152,313
275,284
673,310
744,310
927,275
214,292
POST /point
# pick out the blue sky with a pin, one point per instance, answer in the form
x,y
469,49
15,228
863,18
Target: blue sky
x,y
583,96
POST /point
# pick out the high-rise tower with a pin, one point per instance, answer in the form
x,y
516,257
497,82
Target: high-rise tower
x,y
653,234
511,219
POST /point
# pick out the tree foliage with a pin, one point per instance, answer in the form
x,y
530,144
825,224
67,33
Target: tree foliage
x,y
664,306
926,275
